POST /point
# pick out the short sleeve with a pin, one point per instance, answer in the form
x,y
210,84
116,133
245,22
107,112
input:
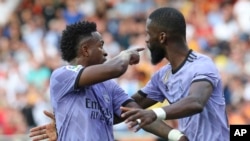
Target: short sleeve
x,y
119,97
207,72
64,80
152,90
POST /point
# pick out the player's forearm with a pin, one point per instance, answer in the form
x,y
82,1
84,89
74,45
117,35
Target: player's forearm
x,y
131,104
142,100
118,65
102,72
158,128
161,129
125,58
177,110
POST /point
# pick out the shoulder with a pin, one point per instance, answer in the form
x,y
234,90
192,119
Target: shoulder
x,y
57,70
201,56
203,65
67,68
66,72
203,60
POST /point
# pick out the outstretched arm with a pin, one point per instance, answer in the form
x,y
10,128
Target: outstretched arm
x,y
112,68
142,102
190,105
161,129
158,127
47,131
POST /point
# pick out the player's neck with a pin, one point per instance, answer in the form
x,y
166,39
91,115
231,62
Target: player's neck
x,y
177,57
77,61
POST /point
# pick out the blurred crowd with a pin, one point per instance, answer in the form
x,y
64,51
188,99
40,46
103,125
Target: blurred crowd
x,y
30,32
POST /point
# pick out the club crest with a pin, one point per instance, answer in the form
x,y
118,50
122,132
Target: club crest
x,y
106,97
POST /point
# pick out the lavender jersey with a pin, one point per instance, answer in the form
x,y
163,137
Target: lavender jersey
x,y
209,125
84,114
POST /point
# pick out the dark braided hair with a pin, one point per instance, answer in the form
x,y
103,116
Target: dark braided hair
x,y
169,19
72,36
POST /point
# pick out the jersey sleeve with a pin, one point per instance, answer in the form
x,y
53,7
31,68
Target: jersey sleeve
x,y
64,80
207,71
119,97
152,90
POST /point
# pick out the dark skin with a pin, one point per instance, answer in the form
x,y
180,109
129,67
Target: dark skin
x,y
111,69
175,51
92,56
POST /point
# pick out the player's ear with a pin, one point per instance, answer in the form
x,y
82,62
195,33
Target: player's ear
x,y
84,50
163,37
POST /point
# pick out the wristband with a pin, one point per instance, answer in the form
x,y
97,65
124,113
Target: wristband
x,y
174,135
160,113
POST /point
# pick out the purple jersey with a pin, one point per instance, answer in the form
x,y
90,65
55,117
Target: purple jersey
x,y
84,114
209,125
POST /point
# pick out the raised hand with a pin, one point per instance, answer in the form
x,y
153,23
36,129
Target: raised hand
x,y
144,117
47,131
133,54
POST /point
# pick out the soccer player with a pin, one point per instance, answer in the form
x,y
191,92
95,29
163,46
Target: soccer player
x,y
85,100
190,82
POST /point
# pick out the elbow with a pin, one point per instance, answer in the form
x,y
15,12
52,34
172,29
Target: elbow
x,y
116,67
121,69
198,107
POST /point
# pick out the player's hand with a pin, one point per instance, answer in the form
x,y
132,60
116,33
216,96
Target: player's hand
x,y
131,115
133,55
47,131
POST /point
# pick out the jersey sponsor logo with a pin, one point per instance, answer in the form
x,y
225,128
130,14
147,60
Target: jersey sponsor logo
x,y
99,112
74,68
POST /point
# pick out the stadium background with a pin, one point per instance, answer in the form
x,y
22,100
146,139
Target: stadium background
x,y
30,31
